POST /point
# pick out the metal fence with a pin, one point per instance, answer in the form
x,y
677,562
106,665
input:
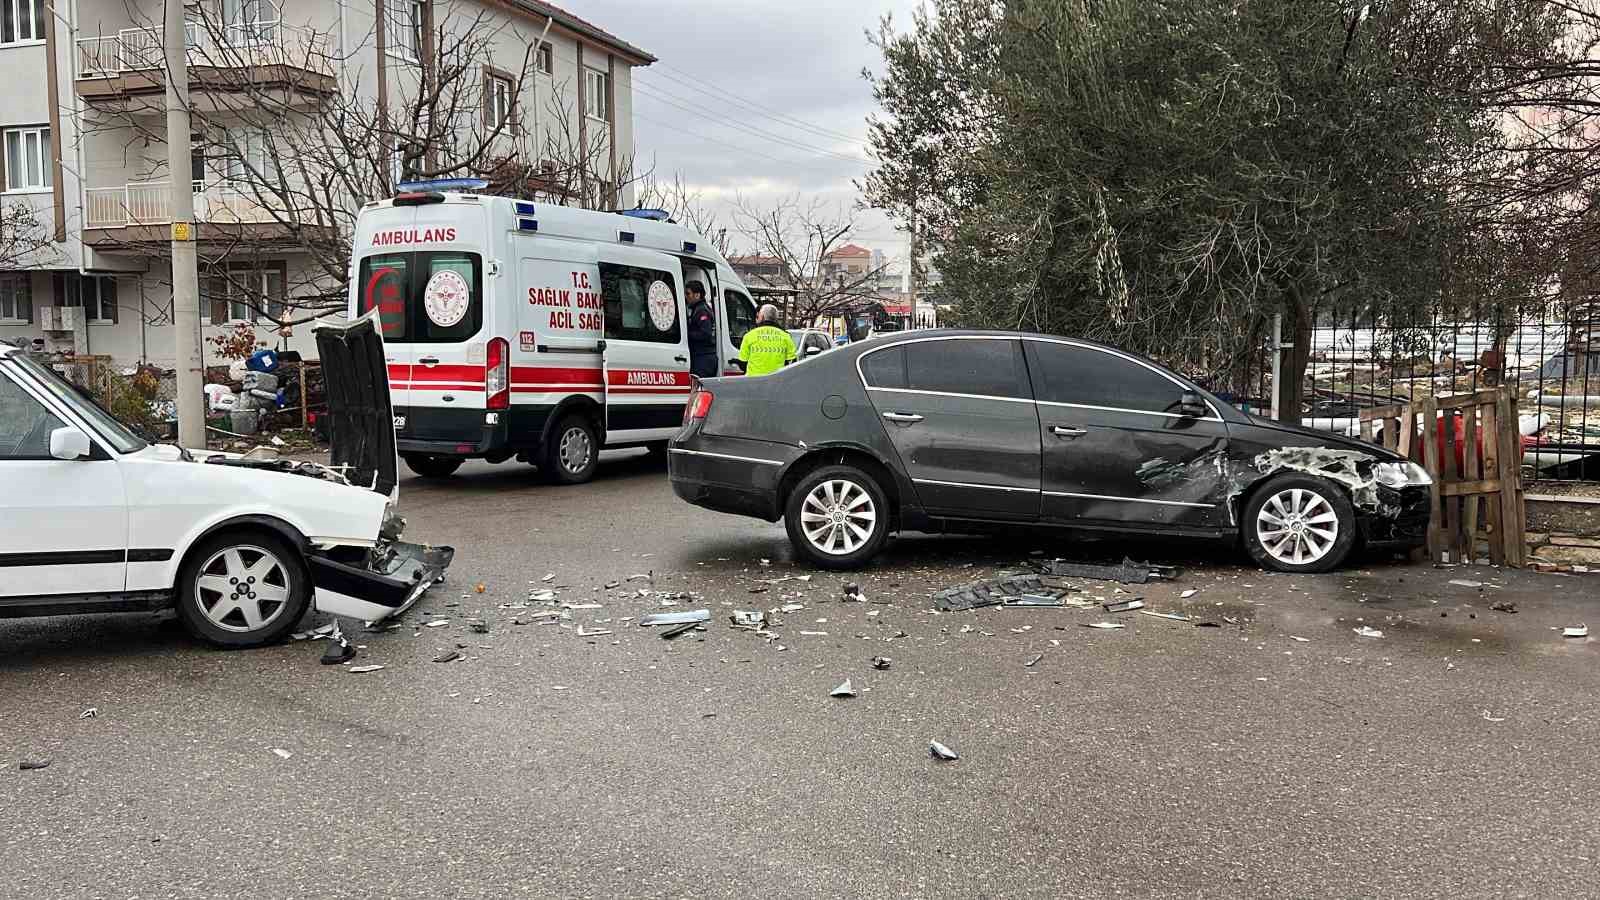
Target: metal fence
x,y
1364,359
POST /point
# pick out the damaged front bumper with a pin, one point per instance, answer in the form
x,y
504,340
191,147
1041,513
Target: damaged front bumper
x,y
385,583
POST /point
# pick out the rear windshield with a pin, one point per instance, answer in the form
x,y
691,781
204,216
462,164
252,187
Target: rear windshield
x,y
424,297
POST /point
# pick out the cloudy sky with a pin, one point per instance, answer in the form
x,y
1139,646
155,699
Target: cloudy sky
x,y
759,98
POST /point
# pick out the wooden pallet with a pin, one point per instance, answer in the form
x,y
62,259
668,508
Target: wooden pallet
x,y
1477,481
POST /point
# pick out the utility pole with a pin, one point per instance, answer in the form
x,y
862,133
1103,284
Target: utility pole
x,y
185,280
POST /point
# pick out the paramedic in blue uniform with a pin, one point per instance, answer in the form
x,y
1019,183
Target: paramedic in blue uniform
x,y
702,332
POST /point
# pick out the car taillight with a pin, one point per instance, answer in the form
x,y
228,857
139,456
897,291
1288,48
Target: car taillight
x,y
699,405
497,374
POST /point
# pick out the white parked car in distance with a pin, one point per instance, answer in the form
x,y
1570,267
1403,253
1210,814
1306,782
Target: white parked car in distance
x,y
810,342
94,519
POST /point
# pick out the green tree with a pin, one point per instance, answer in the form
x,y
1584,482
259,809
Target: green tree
x,y
1167,174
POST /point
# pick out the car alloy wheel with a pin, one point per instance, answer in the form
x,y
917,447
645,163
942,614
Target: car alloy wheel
x,y
242,588
576,449
1297,526
838,517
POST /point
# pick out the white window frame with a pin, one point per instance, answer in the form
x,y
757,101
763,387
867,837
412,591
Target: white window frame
x,y
36,182
595,95
16,293
260,282
546,52
36,12
502,94
403,19
95,315
247,152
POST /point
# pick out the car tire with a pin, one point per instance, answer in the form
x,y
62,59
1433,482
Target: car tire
x,y
828,509
219,604
430,466
572,453
1299,523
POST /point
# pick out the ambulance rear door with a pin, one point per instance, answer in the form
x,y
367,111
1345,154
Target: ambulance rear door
x,y
646,354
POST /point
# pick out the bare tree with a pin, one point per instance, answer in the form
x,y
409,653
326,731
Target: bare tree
x,y
23,238
304,136
686,205
795,241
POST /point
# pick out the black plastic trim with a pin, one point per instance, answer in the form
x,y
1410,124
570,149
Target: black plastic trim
x,y
62,558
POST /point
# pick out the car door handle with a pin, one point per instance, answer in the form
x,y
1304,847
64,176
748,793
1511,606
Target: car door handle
x,y
902,417
680,359
1068,431
429,360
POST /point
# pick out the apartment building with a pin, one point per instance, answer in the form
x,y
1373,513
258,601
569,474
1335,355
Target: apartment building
x,y
85,148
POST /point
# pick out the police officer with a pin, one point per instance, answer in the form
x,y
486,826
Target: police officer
x,y
702,333
766,348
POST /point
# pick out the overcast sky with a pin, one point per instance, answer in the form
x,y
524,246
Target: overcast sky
x,y
755,97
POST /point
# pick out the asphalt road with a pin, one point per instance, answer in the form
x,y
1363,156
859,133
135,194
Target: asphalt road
x,y
1452,757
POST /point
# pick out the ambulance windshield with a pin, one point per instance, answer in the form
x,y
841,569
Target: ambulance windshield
x,y
425,296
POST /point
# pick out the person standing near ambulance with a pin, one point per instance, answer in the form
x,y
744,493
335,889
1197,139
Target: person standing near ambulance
x,y
766,348
702,332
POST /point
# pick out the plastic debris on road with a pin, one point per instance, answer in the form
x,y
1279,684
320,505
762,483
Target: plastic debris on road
x,y
843,690
282,753
1489,718
595,633
1173,617
881,662
1575,631
748,618
549,576
1123,605
1187,594
1505,606
1033,660
29,765
1126,572
852,594
362,670
1103,625
688,616
89,713
940,751
675,630
436,623
448,656
1368,632
994,592
1462,582
1298,639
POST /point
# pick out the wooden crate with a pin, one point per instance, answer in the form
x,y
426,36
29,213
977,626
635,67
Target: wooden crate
x,y
1477,475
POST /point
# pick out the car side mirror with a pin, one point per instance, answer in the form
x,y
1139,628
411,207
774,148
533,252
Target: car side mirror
x,y
68,443
1191,406
813,351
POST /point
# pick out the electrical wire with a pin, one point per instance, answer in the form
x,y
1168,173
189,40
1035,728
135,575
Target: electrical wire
x,y
762,109
747,129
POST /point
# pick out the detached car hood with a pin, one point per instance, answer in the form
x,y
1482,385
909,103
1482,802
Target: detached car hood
x,y
360,416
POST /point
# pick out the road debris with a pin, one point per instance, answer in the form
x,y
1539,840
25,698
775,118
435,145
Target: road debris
x,y
362,670
581,606
1462,582
1298,639
436,623
595,633
843,690
852,594
549,576
1127,572
688,616
282,753
1174,617
1505,606
89,713
478,626
1575,631
1033,660
1123,605
994,592
670,633
1367,631
544,596
748,618
29,765
1489,718
792,607
940,751
448,656
1187,594
339,649
1103,625
814,634
881,662
480,587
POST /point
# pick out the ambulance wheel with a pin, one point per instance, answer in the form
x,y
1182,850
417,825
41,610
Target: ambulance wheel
x,y
572,452
429,466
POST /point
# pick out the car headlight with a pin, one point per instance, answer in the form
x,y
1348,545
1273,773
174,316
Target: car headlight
x,y
1401,474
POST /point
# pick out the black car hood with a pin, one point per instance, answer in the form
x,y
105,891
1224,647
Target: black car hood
x,y
1325,438
361,420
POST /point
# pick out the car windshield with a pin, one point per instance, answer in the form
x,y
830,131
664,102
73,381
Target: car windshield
x,y
798,335
113,432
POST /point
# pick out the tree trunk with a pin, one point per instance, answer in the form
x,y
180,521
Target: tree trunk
x,y
1297,322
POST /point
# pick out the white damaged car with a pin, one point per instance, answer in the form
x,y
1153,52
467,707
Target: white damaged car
x,y
93,519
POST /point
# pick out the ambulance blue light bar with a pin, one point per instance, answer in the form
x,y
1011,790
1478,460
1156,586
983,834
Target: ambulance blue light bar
x,y
524,208
654,215
527,224
444,184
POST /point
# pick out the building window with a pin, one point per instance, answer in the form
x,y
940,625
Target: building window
x,y
546,58
250,22
21,21
95,294
244,294
27,158
249,159
16,297
497,100
596,101
403,20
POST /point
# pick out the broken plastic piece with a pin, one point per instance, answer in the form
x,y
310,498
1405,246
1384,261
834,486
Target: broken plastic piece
x,y
595,633
1103,625
881,662
1187,594
1033,660
843,690
852,593
436,623
1489,718
30,764
991,593
362,670
1161,615
89,713
689,616
748,618
1123,605
1297,638
1127,572
448,656
1036,600
792,607
1462,582
1505,606
338,651
1575,631
940,751
478,626
674,631
282,753
1366,631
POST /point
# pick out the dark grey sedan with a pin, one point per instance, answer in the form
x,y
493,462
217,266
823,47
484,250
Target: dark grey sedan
x,y
969,431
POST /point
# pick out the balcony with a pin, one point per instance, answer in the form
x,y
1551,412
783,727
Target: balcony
x,y
138,213
128,68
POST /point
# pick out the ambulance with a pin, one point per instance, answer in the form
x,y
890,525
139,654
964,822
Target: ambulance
x,y
529,331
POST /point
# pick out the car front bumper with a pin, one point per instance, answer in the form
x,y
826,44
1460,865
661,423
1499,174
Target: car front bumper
x,y
388,582
1401,520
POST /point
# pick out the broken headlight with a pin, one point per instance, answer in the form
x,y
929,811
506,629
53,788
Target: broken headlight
x,y
1400,474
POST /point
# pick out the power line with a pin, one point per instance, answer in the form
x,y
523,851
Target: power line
x,y
748,129
725,145
713,89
